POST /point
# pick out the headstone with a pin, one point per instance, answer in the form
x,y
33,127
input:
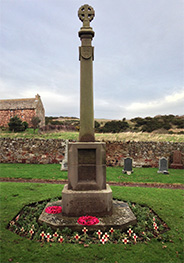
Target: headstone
x,y
163,166
128,166
86,191
177,160
64,164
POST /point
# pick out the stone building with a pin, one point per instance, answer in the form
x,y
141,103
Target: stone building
x,y
25,109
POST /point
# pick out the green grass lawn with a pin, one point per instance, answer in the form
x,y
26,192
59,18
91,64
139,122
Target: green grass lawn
x,y
146,175
114,174
167,203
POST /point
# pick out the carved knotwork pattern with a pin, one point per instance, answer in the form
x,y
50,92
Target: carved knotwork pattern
x,y
86,14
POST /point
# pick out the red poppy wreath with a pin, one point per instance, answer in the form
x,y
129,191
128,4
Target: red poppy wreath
x,y
87,220
53,209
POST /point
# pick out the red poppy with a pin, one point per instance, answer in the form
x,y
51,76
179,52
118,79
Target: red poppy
x,y
31,231
60,239
106,236
134,237
87,220
42,234
99,233
55,234
103,240
125,240
77,237
84,230
53,209
111,230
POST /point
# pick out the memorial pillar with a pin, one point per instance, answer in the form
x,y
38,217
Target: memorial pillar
x,y
86,191
86,57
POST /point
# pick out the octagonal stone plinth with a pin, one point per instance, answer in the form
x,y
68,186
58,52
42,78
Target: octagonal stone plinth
x,y
121,218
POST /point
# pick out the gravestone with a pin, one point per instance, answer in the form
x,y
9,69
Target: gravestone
x,y
86,191
177,160
64,164
128,166
163,166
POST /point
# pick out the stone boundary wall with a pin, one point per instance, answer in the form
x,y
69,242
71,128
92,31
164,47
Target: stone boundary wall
x,y
43,151
31,150
144,154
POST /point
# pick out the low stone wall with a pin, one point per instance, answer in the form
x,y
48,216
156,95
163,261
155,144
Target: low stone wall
x,y
42,151
144,154
31,151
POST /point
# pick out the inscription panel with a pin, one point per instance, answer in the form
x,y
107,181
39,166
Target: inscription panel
x,y
87,173
87,156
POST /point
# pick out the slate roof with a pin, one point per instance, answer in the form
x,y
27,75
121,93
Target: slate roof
x,y
17,104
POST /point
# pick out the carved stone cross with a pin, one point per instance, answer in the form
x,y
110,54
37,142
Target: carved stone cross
x,y
86,14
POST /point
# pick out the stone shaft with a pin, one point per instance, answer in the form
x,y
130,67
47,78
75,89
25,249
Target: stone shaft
x,y
86,56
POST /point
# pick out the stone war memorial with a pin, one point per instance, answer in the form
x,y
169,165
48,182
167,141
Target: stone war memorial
x,y
87,192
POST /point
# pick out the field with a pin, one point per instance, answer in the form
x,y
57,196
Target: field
x,y
124,136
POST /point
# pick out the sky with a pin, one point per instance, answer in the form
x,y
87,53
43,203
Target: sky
x,y
138,66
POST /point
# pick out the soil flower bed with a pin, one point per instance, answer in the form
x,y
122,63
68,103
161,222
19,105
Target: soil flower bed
x,y
149,226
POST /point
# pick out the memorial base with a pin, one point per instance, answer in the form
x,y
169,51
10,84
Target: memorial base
x,y
90,202
121,218
177,166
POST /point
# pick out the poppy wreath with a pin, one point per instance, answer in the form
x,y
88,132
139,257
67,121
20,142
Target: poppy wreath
x,y
53,209
87,220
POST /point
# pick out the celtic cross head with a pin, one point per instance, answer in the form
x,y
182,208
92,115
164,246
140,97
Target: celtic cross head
x,y
86,14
